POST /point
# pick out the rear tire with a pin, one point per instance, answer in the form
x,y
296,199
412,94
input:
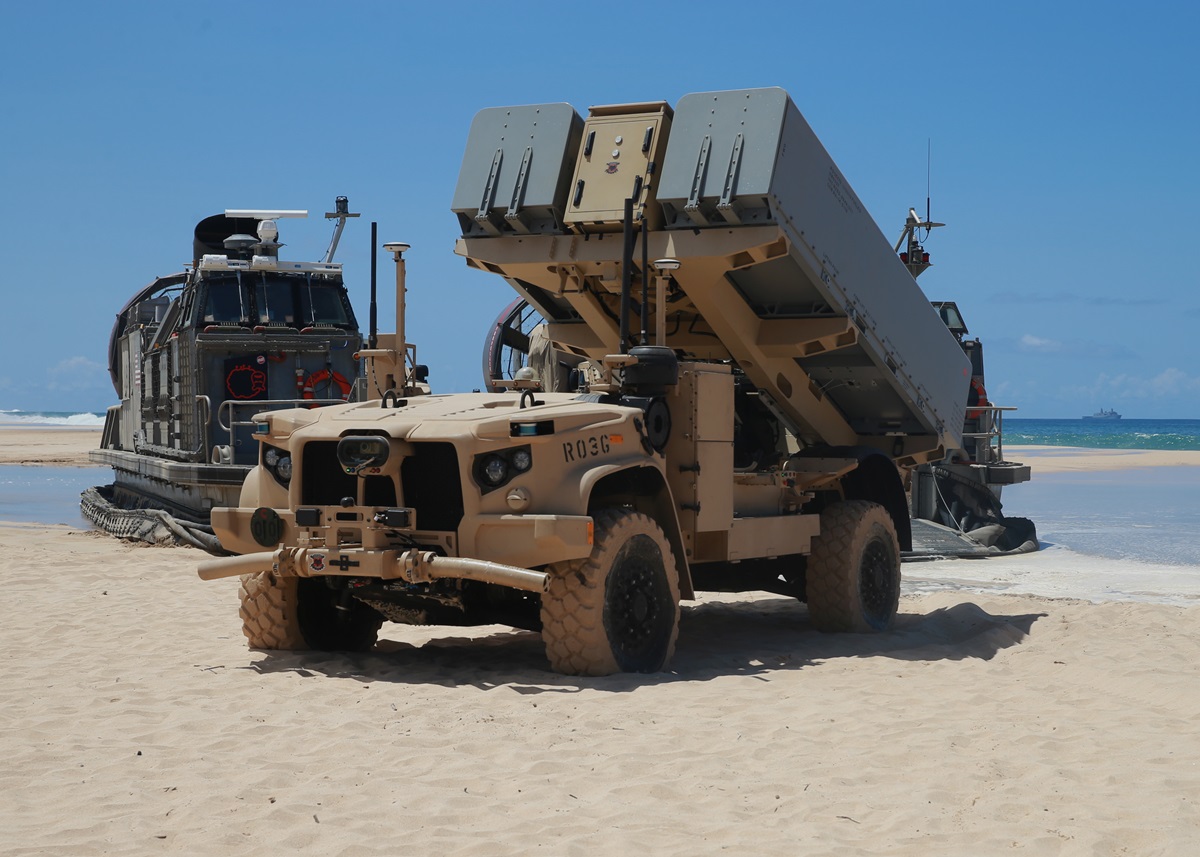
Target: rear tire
x,y
618,609
853,579
296,614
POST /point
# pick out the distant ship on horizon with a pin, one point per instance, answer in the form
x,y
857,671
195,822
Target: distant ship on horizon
x,y
1102,414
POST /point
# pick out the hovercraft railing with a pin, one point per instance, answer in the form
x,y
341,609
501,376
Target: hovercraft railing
x,y
988,434
230,407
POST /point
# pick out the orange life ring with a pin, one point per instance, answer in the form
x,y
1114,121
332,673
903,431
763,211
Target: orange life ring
x,y
320,377
981,399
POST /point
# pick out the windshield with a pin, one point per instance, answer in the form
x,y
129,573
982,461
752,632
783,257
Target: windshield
x,y
225,303
323,304
276,302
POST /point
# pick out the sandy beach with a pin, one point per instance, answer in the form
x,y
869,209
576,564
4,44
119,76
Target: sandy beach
x,y
1064,459
58,446
992,720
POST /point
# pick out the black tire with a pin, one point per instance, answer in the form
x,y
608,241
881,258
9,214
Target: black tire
x,y
618,609
853,580
297,614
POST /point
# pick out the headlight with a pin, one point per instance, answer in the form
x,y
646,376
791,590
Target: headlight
x,y
357,453
495,470
278,463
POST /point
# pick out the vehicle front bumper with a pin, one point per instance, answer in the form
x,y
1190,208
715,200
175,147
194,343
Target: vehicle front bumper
x,y
412,566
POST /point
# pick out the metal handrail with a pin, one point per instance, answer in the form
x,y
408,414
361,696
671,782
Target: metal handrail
x,y
991,451
206,403
260,405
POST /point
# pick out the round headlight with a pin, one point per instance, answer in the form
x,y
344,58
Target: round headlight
x,y
495,470
522,460
283,468
270,457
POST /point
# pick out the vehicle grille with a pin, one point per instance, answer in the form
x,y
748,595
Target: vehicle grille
x,y
432,485
430,478
325,483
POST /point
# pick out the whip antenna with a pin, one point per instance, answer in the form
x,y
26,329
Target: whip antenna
x,y
914,256
928,165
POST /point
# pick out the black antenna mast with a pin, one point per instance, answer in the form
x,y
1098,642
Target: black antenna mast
x,y
914,256
928,165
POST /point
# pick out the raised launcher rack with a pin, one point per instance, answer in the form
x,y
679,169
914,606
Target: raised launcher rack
x,y
781,271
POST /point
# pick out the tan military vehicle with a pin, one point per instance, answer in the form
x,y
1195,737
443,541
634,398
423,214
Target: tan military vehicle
x,y
739,373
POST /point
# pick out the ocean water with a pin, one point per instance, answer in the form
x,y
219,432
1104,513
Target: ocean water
x,y
1149,514
1143,514
47,495
1104,434
34,419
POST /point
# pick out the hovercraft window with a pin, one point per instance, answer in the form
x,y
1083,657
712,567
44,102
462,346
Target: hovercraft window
x,y
224,303
321,304
275,302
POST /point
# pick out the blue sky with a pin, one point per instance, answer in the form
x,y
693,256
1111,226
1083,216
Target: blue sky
x,y
1064,139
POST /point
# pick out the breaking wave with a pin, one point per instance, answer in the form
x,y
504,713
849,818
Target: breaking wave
x,y
18,418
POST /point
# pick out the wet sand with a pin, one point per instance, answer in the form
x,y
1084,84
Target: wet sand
x,y
66,447
1062,459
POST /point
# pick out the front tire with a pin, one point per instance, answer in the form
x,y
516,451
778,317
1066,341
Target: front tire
x,y
853,579
618,609
296,614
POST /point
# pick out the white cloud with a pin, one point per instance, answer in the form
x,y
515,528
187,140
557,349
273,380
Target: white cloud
x,y
1029,342
74,364
75,374
1168,384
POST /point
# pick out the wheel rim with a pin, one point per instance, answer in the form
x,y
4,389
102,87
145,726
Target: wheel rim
x,y
639,610
877,584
